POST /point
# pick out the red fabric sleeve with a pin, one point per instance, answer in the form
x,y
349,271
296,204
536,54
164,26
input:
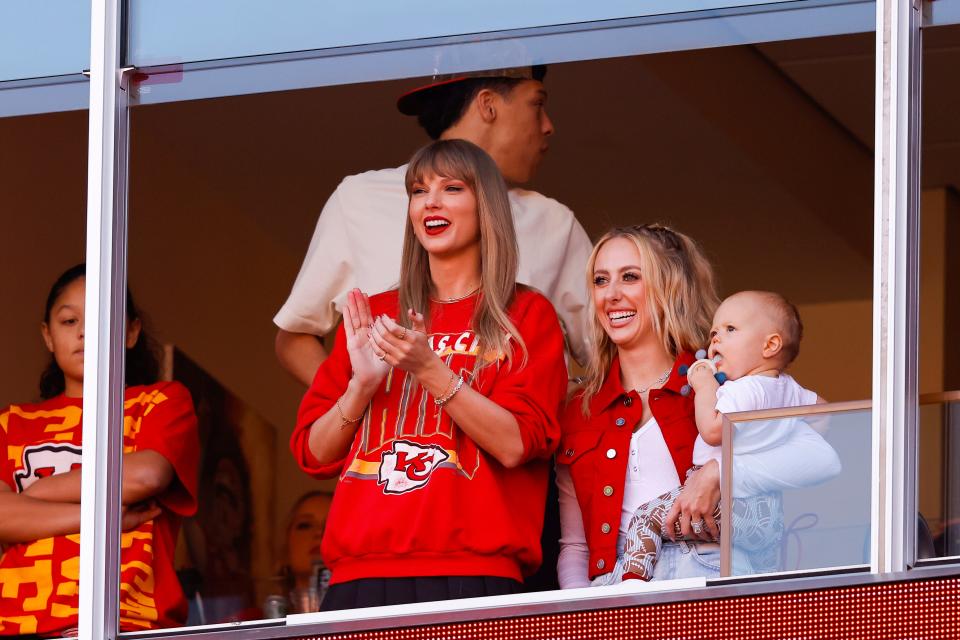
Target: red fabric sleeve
x,y
328,385
6,465
170,429
533,393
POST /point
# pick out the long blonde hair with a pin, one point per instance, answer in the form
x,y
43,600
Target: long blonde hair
x,y
681,296
498,246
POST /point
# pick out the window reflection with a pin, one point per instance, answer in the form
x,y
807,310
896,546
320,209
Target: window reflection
x,y
775,181
938,487
40,521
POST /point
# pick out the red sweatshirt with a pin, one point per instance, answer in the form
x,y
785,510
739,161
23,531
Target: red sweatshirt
x,y
417,497
40,578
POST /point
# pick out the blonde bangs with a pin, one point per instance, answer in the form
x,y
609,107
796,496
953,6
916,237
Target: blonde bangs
x,y
440,161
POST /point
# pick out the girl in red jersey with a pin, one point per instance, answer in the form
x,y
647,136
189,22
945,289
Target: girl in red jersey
x,y
41,450
438,404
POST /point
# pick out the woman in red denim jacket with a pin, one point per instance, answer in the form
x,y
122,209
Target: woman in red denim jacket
x,y
628,436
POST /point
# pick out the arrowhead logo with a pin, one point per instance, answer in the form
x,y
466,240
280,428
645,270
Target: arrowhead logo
x,y
43,460
407,466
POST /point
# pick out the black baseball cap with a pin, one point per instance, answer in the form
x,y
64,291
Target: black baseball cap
x,y
411,103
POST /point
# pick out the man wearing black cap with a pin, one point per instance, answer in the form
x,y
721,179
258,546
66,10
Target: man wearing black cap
x,y
359,236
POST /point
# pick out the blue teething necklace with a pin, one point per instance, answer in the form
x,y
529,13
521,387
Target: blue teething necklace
x,y
701,356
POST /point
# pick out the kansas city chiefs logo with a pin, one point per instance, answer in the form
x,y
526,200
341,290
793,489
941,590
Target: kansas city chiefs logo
x,y
44,460
407,466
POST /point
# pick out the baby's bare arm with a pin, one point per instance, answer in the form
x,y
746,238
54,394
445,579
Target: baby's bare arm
x,y
709,420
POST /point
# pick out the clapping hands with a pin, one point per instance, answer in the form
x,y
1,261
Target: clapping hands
x,y
406,349
376,344
368,368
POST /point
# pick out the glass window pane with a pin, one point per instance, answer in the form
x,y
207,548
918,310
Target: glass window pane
x,y
39,39
774,180
801,493
48,95
181,31
174,81
938,484
43,177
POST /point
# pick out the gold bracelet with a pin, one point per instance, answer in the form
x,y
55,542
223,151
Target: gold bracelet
x,y
450,385
446,398
344,420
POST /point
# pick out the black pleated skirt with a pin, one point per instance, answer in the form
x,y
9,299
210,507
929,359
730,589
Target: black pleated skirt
x,y
378,592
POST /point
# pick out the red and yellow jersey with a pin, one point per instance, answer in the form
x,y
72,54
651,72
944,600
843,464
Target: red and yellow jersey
x,y
39,579
417,497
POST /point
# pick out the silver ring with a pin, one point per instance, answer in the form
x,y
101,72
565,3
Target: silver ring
x,y
381,358
697,526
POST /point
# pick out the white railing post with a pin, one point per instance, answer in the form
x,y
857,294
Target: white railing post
x,y
105,319
895,293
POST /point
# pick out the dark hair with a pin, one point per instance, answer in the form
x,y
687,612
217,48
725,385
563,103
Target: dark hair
x,y
142,366
449,102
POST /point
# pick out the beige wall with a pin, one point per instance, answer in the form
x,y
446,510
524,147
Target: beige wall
x,y
42,220
940,215
836,353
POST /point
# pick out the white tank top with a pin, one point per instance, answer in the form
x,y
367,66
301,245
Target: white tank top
x,y
650,472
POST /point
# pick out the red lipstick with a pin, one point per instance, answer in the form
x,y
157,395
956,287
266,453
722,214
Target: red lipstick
x,y
435,225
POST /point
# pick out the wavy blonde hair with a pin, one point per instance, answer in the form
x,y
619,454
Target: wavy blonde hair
x,y
681,296
466,161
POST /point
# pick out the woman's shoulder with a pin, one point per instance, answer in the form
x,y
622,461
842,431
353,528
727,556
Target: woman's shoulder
x,y
528,300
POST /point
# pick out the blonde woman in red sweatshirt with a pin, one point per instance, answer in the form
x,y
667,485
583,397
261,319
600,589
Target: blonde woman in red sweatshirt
x,y
438,405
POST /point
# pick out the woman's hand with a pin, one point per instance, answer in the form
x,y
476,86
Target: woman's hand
x,y
697,501
404,348
135,515
368,368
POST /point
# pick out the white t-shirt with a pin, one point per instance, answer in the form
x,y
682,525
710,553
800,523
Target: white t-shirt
x,y
650,473
778,439
358,242
754,393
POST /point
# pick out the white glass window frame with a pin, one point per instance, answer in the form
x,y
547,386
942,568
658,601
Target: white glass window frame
x,y
939,13
566,43
43,54
44,95
896,203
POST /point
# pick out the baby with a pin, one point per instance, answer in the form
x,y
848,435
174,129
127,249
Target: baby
x,y
755,336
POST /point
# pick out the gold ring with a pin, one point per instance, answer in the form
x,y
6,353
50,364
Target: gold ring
x,y
404,334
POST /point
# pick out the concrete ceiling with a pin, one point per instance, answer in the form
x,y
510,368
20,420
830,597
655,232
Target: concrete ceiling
x,y
837,74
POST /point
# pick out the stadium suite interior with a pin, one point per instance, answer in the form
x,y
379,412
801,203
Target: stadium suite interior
x,y
763,153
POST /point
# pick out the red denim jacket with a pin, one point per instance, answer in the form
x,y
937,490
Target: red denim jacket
x,y
596,448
